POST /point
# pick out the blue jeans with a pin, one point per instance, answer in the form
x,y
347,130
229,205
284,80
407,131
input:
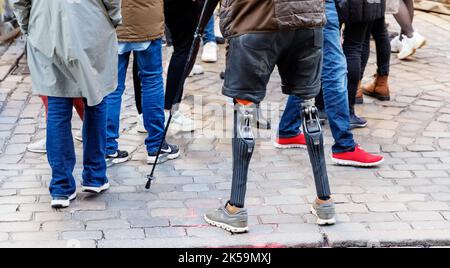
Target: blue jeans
x,y
150,72
209,35
334,83
60,147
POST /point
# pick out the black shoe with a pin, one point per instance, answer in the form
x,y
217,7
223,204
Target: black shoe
x,y
220,40
168,152
117,158
222,75
357,122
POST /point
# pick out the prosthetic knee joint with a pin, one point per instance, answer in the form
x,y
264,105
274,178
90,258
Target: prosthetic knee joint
x,y
314,139
243,147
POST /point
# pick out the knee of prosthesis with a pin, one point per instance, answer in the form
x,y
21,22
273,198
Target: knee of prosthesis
x,y
243,120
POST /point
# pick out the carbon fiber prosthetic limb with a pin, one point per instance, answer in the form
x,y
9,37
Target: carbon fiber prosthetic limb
x,y
243,147
314,139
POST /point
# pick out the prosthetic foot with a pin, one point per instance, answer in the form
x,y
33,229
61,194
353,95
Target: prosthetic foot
x,y
243,147
314,140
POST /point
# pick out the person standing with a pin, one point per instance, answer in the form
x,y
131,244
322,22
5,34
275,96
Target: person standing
x,y
63,41
334,83
379,87
181,19
141,33
261,38
409,40
358,16
209,54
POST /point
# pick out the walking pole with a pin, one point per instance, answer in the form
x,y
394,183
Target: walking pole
x,y
207,13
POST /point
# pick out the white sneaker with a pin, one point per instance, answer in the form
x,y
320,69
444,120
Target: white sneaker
x,y
420,41
197,70
140,124
95,190
396,45
62,202
39,147
181,122
408,47
209,52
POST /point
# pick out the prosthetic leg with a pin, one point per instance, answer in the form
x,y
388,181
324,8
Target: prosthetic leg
x,y
243,147
314,139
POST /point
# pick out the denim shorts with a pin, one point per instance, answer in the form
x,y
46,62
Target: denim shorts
x,y
251,60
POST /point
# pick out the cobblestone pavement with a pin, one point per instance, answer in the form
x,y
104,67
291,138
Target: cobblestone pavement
x,y
405,202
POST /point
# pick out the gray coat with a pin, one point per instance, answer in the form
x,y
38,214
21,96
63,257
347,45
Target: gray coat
x,y
71,45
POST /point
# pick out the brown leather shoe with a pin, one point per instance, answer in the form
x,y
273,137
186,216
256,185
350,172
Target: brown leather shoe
x,y
359,94
378,89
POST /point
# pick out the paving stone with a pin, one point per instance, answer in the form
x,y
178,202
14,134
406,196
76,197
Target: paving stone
x,y
17,199
431,225
62,226
372,217
35,236
428,206
168,212
364,198
431,174
389,226
8,208
15,217
430,189
406,197
4,236
52,216
164,232
165,204
441,197
395,174
107,224
95,215
280,219
21,185
351,208
49,244
82,235
124,234
19,226
8,192
386,207
410,216
148,222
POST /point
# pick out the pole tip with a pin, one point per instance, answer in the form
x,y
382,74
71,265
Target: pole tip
x,y
149,182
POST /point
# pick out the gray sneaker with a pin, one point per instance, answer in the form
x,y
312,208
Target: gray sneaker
x,y
234,223
325,213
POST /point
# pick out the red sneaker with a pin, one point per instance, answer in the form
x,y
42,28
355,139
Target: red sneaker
x,y
288,143
357,158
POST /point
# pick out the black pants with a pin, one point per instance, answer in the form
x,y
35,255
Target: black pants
x,y
383,44
181,19
355,36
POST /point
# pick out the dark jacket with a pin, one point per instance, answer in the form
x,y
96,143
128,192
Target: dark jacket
x,y
245,16
356,11
143,20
